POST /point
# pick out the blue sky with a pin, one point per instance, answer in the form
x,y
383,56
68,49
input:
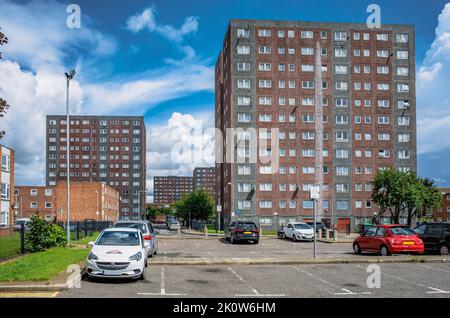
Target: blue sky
x,y
161,64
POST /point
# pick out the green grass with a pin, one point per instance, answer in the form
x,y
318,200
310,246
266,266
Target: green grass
x,y
88,239
269,232
41,266
10,245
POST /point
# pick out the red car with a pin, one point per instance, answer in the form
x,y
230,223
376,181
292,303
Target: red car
x,y
389,239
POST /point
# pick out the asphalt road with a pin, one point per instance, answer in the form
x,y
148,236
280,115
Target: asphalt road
x,y
339,281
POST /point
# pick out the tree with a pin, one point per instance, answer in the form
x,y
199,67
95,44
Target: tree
x,y
3,104
199,205
404,193
153,212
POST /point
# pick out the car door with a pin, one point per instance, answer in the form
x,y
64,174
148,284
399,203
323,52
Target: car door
x,y
378,239
290,230
366,239
433,235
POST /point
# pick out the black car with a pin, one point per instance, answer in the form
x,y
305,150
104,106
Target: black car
x,y
435,236
239,231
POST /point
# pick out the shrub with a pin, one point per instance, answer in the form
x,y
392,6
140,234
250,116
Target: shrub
x,y
42,236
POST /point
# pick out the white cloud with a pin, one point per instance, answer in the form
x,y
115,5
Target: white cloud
x,y
194,131
146,20
32,79
433,95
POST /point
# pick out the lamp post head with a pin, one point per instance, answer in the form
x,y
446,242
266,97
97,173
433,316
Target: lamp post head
x,y
70,75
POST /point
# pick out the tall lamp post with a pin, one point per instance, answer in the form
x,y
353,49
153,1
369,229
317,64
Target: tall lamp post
x,y
69,77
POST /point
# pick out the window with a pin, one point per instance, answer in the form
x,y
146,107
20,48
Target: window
x,y
266,101
402,38
382,37
307,34
340,36
244,170
265,187
308,84
402,71
307,51
244,118
402,55
383,53
307,68
244,101
342,137
384,137
405,137
242,66
264,33
404,154
339,52
265,204
308,204
5,163
403,88
243,33
382,69
341,69
265,84
244,204
341,153
265,49
323,34
243,49
263,67
48,192
281,33
341,86
244,83
403,121
341,102
383,120
5,191
342,205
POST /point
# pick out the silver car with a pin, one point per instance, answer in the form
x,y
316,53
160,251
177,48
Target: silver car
x,y
150,235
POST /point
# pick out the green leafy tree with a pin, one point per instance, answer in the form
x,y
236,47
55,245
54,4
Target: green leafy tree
x,y
403,193
3,104
198,205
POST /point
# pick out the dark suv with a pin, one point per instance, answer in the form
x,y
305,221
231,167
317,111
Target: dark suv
x,y
239,231
435,236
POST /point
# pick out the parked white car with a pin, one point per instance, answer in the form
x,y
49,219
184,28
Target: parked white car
x,y
118,253
297,231
174,226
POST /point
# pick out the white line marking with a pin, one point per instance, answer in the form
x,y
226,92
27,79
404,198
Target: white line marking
x,y
255,292
163,287
345,291
434,268
437,291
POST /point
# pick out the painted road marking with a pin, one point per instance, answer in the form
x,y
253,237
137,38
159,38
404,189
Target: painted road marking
x,y
434,268
255,292
344,292
163,287
433,289
29,295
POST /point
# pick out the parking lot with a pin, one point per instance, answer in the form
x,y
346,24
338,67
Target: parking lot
x,y
272,281
267,248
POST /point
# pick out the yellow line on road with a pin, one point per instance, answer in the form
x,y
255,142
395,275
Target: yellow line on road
x,y
29,295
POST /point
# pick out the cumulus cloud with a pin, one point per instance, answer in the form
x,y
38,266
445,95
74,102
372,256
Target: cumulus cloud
x,y
42,48
146,20
433,98
186,141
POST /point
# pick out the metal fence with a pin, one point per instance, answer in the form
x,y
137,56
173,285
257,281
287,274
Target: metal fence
x,y
82,229
12,245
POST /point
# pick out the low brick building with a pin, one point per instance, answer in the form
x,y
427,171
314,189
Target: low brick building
x,y
88,201
443,213
30,200
7,184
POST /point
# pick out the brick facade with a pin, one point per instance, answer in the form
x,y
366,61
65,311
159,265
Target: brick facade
x,y
443,213
266,78
205,178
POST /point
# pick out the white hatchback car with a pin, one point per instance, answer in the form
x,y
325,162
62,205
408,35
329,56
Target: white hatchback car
x,y
118,253
298,231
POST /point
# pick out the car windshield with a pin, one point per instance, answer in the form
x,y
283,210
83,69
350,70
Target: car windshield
x,y
402,230
118,238
19,222
138,226
246,226
302,227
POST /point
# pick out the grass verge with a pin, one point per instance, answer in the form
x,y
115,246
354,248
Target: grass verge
x,y
41,266
9,245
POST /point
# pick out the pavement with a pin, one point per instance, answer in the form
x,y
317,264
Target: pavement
x,y
277,281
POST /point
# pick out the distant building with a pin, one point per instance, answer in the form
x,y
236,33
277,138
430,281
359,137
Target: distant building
x,y
35,199
107,149
443,213
169,189
88,201
205,178
7,186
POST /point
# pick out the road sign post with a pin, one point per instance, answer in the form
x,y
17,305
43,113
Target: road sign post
x,y
315,195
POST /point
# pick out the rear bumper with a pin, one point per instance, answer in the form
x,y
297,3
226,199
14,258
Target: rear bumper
x,y
407,249
246,238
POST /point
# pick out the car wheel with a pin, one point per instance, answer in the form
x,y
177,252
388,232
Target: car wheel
x,y
443,250
384,251
294,238
142,277
356,249
146,264
256,242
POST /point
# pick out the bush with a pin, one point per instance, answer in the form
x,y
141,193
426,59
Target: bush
x,y
42,236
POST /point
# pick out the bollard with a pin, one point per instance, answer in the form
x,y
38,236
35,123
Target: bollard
x,y
327,234
335,234
206,232
179,232
319,234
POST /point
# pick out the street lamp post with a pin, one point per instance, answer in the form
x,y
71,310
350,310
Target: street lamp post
x,y
69,77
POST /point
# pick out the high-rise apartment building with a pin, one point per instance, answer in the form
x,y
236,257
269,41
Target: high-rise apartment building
x,y
169,189
205,178
278,75
106,149
7,186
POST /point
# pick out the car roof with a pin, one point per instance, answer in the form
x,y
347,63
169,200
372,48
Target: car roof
x,y
131,222
298,222
121,229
